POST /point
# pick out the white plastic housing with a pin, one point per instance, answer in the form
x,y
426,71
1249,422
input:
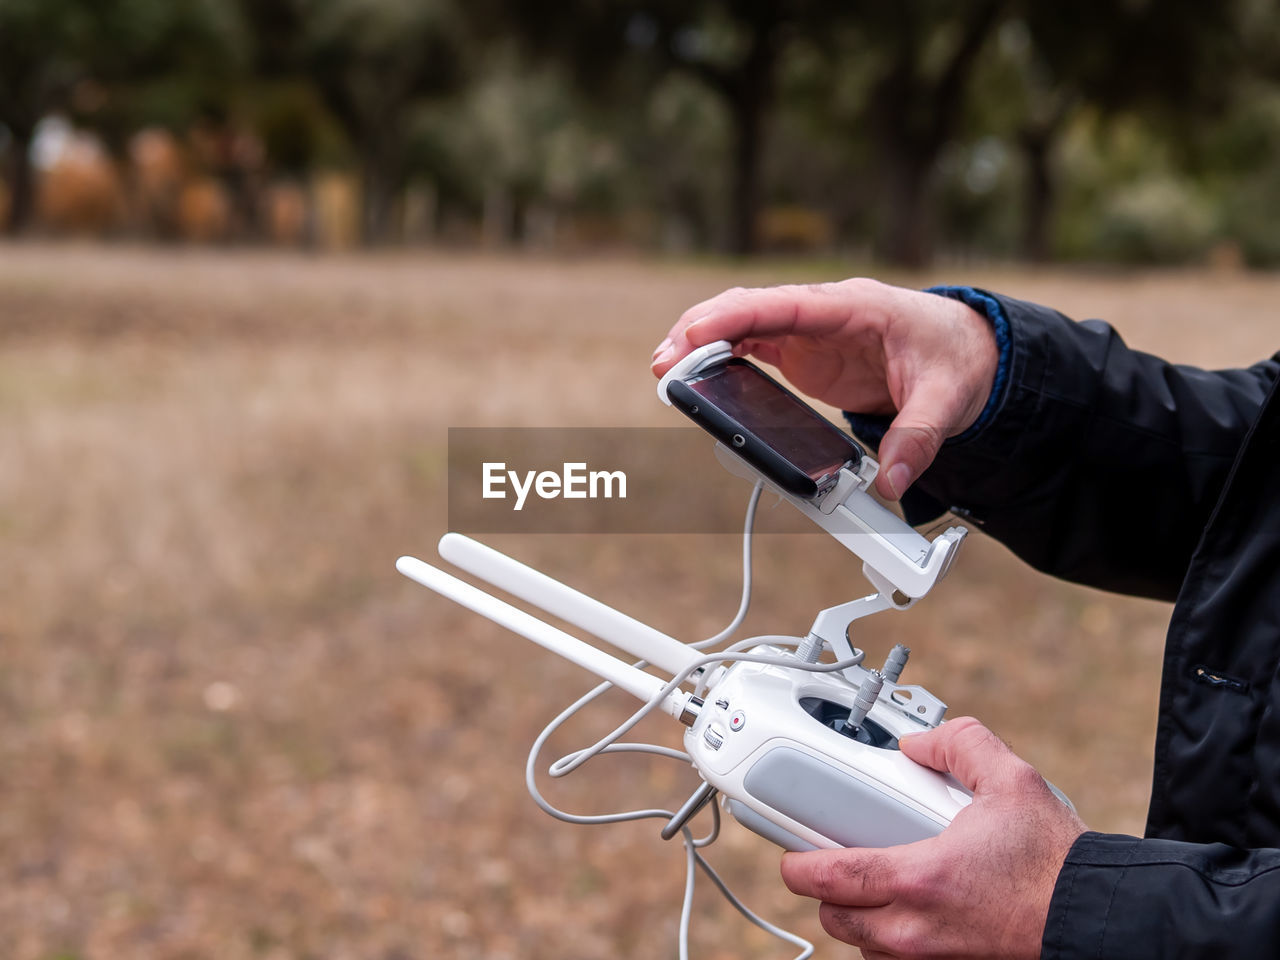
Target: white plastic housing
x,y
766,699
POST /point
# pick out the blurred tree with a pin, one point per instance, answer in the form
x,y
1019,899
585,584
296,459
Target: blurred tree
x,y
933,88
1235,156
1027,101
157,62
113,65
282,103
178,65
273,29
733,47
1244,177
297,131
676,142
1177,63
916,59
516,146
813,163
911,111
41,47
372,61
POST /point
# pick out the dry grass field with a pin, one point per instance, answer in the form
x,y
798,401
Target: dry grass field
x,y
231,730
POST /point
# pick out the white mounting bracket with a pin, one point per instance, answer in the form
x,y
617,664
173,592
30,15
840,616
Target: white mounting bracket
x,y
831,627
893,554
693,362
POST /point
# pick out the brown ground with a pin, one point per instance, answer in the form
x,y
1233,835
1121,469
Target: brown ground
x,y
231,730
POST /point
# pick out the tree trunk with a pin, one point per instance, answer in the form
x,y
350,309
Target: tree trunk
x,y
914,117
497,215
907,229
22,184
747,89
744,194
750,90
1037,226
377,199
379,182
1037,139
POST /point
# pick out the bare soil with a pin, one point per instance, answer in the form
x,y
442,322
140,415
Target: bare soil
x,y
232,731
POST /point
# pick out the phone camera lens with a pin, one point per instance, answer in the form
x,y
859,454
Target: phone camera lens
x,y
739,440
694,408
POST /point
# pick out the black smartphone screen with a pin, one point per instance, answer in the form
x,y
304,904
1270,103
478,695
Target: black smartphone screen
x,y
761,411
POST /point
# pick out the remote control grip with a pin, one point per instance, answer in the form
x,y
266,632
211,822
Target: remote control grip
x,y
848,811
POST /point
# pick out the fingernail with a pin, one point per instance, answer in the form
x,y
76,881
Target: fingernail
x,y
899,479
662,346
664,356
701,319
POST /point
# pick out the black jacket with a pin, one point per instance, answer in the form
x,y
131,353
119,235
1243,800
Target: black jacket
x,y
1111,467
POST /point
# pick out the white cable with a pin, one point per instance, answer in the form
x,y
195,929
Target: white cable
x,y
530,769
686,902
609,744
799,941
690,843
745,603
711,837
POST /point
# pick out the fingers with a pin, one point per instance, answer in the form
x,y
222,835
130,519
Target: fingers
x,y
854,885
768,313
766,351
971,753
852,925
855,877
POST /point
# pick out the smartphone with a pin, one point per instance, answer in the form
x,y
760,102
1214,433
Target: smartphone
x,y
767,425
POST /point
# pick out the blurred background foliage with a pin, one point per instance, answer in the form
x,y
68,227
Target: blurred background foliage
x,y
1139,131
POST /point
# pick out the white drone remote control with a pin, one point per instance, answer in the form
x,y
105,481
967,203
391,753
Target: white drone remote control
x,y
777,745
799,752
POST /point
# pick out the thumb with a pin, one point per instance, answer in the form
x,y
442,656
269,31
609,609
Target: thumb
x,y
968,751
928,414
913,439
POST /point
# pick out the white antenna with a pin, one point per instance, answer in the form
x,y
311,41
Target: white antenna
x,y
635,681
599,619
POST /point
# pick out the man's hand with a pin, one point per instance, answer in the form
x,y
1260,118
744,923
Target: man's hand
x,y
981,888
861,346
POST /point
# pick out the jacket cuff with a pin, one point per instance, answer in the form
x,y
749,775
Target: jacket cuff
x,y
1084,895
991,308
1119,896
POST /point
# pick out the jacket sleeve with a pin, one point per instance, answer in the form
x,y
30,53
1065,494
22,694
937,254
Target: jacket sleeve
x,y
1094,462
1119,896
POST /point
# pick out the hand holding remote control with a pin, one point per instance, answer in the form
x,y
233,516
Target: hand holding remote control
x,y
987,880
